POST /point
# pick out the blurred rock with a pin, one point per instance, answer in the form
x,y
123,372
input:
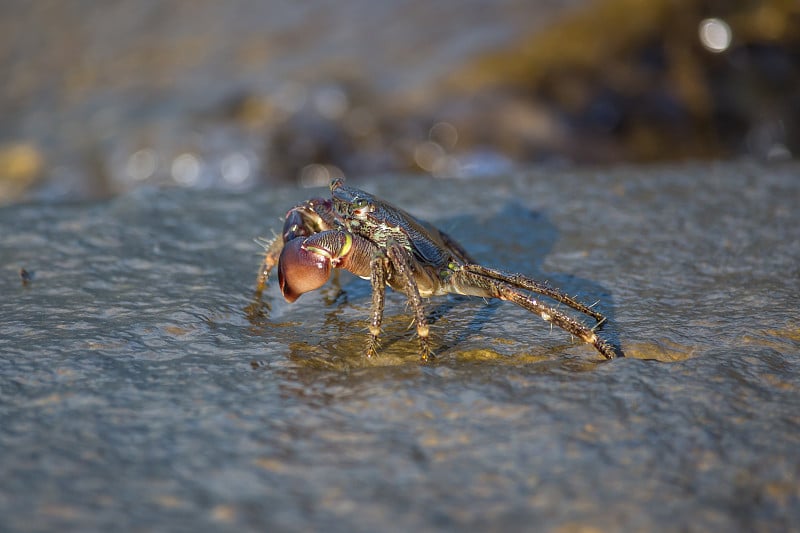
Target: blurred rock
x,y
639,81
234,95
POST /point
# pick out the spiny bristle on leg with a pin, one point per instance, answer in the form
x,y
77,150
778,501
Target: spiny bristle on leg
x,y
373,345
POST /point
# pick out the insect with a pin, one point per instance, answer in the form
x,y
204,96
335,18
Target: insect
x,y
358,232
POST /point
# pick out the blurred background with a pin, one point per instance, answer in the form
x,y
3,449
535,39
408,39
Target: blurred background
x,y
98,98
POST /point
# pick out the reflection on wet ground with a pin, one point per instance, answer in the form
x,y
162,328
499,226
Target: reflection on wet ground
x,y
136,393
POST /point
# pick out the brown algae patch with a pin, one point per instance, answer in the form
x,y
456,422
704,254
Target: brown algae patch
x,y
665,351
778,339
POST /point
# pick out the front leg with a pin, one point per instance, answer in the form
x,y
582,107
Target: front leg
x,y
258,309
272,251
401,261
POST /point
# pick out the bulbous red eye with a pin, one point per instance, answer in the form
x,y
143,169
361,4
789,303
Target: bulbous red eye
x,y
301,271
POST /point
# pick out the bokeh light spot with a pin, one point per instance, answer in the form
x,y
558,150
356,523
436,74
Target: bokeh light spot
x,y
235,168
427,154
316,175
186,169
445,134
715,34
141,164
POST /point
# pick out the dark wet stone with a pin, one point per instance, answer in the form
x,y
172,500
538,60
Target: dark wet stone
x,y
136,393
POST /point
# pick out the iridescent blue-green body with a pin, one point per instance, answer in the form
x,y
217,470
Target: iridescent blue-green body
x,y
375,240
381,222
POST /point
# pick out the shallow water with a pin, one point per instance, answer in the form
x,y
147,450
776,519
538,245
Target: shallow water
x,y
137,393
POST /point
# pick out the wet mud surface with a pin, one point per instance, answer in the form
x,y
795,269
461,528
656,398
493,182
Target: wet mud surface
x,y
140,390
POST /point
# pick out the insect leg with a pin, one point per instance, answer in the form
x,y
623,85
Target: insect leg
x,y
402,267
524,282
469,281
272,251
378,268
